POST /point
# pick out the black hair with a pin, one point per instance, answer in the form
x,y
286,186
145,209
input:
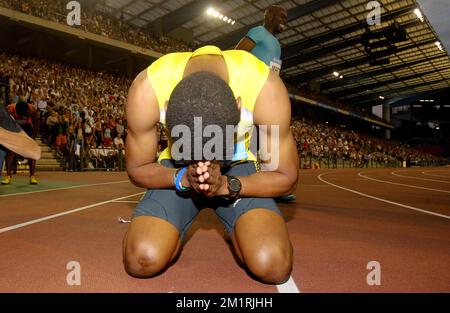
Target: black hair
x,y
274,8
270,12
206,96
22,109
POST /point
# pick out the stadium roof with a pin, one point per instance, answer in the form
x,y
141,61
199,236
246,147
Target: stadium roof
x,y
323,36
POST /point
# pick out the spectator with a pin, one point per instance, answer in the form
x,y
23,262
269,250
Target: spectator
x,y
118,142
12,137
98,22
25,116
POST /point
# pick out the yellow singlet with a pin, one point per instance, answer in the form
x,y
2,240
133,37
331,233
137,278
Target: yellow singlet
x,y
247,76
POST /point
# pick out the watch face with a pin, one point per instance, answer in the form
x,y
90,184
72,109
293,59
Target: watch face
x,y
235,185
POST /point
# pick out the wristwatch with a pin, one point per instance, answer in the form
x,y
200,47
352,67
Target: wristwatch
x,y
234,186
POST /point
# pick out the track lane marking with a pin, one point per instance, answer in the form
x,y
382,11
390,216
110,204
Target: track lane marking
x,y
405,185
46,218
288,287
381,199
443,176
64,188
436,180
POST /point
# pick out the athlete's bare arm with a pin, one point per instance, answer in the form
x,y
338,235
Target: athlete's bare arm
x,y
20,143
273,108
142,142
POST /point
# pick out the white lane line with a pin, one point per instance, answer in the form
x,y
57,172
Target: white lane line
x,y
381,199
405,185
436,180
125,201
288,287
353,179
443,176
46,218
64,188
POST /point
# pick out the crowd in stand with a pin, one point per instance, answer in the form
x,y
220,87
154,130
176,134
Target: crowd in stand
x,y
325,100
83,111
98,22
101,22
78,109
323,141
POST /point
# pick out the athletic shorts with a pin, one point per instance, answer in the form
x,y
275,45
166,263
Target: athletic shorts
x,y
180,209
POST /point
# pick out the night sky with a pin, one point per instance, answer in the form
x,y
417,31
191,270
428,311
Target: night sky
x,y
438,14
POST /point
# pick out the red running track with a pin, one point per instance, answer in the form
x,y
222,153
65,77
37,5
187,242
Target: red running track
x,y
343,219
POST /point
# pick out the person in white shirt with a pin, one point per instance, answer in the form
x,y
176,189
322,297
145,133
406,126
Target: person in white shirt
x,y
118,141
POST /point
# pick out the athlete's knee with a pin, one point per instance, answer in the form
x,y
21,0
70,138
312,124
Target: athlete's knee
x,y
272,265
144,260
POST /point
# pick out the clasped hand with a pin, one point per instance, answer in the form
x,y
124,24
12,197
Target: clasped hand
x,y
206,178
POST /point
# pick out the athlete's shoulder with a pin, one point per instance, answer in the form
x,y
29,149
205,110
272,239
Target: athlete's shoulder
x,y
241,54
259,28
168,60
256,33
245,61
173,55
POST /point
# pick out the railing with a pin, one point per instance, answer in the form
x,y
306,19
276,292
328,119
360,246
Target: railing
x,y
94,159
109,159
311,162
